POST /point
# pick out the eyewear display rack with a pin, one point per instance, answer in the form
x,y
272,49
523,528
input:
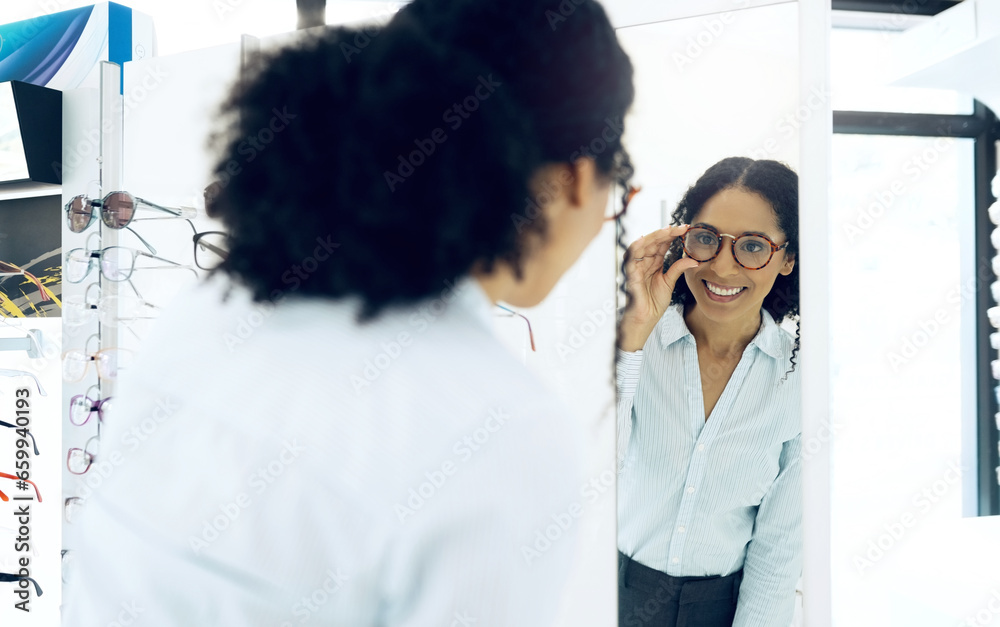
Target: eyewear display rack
x,y
90,116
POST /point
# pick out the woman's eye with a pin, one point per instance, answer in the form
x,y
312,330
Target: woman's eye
x,y
752,247
705,239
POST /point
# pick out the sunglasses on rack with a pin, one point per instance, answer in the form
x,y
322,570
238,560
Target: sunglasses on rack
x,y
117,211
117,263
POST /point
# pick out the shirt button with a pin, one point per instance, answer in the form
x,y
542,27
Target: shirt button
x,y
681,529
701,447
676,560
690,489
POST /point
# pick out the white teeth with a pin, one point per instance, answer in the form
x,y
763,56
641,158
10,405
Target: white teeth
x,y
723,292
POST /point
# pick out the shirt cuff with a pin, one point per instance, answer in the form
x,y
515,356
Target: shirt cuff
x,y
628,371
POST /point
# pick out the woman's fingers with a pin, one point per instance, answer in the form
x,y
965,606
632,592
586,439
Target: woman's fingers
x,y
675,271
647,245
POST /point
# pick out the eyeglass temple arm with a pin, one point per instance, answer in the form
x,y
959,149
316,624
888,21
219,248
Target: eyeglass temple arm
x,y
531,336
7,577
11,426
9,268
16,478
182,211
148,246
215,249
22,373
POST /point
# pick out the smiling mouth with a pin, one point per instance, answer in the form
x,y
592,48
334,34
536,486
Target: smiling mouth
x,y
723,292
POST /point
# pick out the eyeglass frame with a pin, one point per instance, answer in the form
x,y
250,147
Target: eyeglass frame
x,y
627,197
195,239
11,577
96,204
4,423
99,255
96,308
531,335
3,497
92,357
732,246
87,454
95,406
8,372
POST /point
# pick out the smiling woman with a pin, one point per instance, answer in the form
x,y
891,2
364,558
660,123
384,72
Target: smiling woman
x,y
708,410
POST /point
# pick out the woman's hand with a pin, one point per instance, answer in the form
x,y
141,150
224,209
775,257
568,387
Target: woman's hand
x,y
649,289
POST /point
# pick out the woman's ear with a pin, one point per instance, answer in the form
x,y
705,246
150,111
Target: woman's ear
x,y
580,178
788,266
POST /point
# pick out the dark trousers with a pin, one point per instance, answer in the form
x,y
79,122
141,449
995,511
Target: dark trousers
x,y
649,598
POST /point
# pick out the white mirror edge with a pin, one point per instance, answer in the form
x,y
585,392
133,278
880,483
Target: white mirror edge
x,y
814,251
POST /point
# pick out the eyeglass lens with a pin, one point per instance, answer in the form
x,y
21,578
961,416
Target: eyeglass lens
x,y
752,251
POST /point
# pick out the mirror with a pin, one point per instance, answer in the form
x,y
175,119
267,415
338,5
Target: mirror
x,y
709,509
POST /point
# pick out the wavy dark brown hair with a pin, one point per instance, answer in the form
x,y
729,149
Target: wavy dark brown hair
x,y
776,183
351,164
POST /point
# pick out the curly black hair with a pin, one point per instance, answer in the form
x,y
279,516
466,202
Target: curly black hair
x,y
776,183
410,148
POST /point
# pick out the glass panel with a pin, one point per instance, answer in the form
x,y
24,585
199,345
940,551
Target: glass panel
x,y
903,392
860,71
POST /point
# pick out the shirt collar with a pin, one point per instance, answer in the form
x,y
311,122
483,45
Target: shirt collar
x,y
467,294
768,338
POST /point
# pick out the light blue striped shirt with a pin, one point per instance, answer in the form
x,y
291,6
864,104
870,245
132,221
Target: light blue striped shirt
x,y
699,497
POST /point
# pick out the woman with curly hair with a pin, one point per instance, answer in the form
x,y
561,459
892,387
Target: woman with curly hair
x,y
365,451
709,430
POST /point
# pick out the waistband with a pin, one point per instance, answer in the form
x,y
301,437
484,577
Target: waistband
x,y
632,574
